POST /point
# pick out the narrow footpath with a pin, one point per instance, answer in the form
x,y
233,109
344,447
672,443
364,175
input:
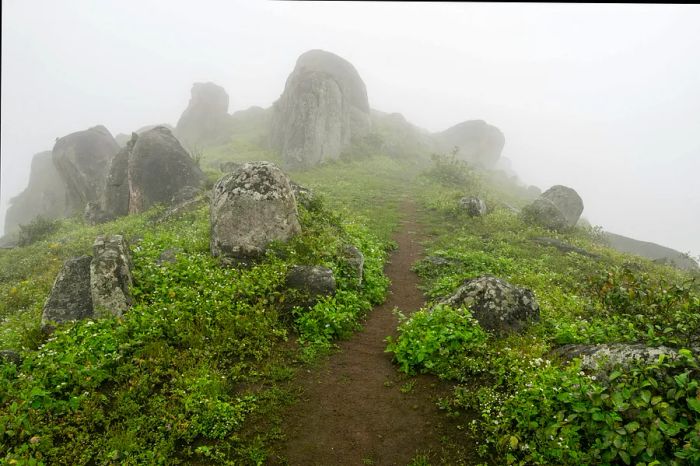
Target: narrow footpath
x,y
356,408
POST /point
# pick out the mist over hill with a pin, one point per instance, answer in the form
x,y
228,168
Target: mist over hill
x,y
614,114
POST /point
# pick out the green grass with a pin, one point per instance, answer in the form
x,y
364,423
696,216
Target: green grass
x,y
197,370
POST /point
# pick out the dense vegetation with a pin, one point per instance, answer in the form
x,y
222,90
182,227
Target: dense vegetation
x,y
529,406
197,370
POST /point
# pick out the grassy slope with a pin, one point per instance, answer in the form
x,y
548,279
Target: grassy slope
x,y
196,370
532,409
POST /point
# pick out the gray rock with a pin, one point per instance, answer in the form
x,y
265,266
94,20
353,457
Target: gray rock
x,y
567,201
497,305
474,206
82,160
653,251
323,108
355,260
110,276
476,141
250,208
158,168
186,194
601,359
206,120
563,247
70,298
438,261
45,195
313,281
10,357
558,208
545,213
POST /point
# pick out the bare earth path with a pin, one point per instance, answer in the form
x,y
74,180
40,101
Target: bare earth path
x,y
353,410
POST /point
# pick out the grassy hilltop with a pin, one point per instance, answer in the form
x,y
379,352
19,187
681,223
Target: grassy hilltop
x,y
200,368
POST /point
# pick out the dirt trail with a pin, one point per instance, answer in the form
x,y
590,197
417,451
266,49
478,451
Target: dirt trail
x,y
353,410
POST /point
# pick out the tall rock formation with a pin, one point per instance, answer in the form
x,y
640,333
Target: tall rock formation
x,y
82,159
323,108
250,208
477,142
206,119
45,195
157,168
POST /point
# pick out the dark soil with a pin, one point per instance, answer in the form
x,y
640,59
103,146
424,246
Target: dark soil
x,y
356,408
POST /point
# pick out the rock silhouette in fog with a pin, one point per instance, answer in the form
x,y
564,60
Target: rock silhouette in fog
x,y
323,108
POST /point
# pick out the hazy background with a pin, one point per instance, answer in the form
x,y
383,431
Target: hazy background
x,y
605,99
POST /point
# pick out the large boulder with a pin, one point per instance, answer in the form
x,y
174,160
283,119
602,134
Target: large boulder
x,y
71,297
476,141
82,159
206,119
498,306
45,195
558,208
110,276
159,167
323,108
250,208
473,206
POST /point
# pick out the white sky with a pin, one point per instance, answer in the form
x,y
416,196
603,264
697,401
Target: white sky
x,y
602,98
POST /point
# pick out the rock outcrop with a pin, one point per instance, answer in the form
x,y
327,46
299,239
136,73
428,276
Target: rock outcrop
x,y
110,276
158,167
45,195
473,206
205,120
82,159
323,108
476,141
250,208
71,297
653,251
90,286
497,305
558,208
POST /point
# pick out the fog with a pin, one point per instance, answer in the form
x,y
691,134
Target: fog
x,y
605,99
